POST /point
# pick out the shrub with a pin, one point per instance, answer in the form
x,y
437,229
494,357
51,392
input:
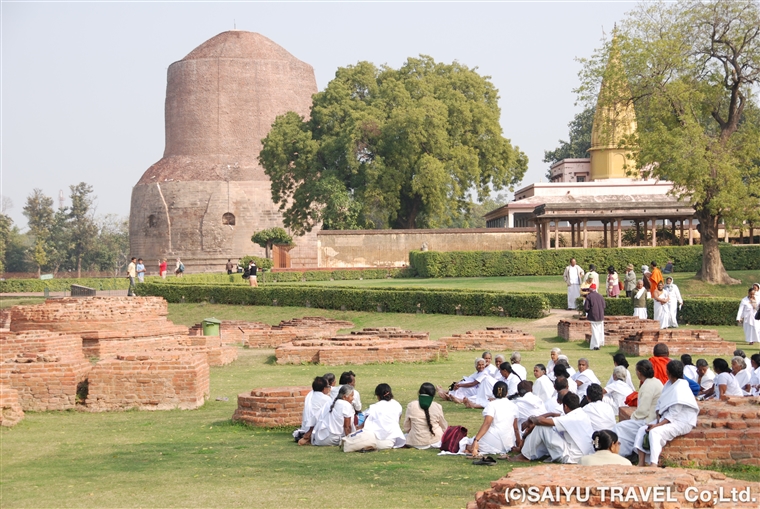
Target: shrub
x,y
433,264
317,275
261,263
59,285
282,277
345,275
696,311
359,299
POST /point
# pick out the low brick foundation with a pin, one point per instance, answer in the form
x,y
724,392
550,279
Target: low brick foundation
x,y
5,318
271,406
11,412
727,432
616,328
44,367
262,335
493,338
361,349
679,341
149,382
584,483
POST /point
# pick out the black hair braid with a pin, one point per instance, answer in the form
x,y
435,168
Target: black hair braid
x,y
427,418
333,404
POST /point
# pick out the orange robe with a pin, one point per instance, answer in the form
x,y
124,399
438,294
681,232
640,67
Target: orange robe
x,y
656,277
660,368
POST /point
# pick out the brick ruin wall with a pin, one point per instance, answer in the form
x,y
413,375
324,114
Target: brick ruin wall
x,y
679,341
272,406
44,367
616,328
362,348
727,432
681,484
262,335
493,338
5,318
11,412
130,381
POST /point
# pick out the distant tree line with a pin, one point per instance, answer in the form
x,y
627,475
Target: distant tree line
x,y
70,239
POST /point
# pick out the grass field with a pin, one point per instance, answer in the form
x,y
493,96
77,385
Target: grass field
x,y
200,459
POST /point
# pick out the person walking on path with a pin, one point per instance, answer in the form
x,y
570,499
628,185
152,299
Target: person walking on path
x,y
179,269
656,277
250,274
131,274
594,307
140,269
748,308
629,283
573,277
230,267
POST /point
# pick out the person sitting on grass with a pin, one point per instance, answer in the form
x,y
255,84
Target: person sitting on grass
x,y
336,420
705,377
689,369
554,405
565,438
331,382
527,403
601,414
739,370
499,433
617,390
677,412
553,358
659,361
560,371
424,422
607,447
312,408
619,360
468,386
725,385
515,359
382,419
542,387
490,369
584,377
754,380
648,395
349,377
485,389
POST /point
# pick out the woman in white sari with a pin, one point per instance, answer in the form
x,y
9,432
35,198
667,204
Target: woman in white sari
x,y
617,389
382,419
468,386
499,433
746,317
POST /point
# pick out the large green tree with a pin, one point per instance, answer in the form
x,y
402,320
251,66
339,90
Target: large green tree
x,y
38,210
83,229
691,68
390,148
580,140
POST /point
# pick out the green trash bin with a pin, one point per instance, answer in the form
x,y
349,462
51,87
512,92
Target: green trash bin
x,y
211,327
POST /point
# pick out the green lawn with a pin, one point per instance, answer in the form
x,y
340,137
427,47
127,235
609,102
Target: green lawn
x,y
200,459
687,284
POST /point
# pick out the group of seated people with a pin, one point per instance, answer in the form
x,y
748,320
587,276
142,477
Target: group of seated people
x,y
564,415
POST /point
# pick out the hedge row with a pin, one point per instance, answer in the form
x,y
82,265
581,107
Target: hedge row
x,y
63,284
432,264
532,305
711,311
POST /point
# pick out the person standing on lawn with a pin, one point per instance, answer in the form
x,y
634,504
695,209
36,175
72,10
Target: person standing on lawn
x,y
573,277
594,307
675,302
640,301
748,308
655,278
629,283
131,274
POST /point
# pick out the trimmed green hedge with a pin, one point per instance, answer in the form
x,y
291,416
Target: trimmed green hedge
x,y
63,284
433,264
358,299
711,311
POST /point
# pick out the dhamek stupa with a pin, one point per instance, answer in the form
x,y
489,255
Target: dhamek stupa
x,y
208,194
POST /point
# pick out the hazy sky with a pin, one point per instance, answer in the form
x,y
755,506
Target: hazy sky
x,y
83,84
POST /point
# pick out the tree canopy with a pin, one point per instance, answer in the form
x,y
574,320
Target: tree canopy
x,y
271,236
390,148
580,140
691,68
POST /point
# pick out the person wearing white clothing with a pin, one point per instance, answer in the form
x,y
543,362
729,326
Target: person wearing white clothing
x,y
600,414
312,408
748,308
485,389
689,369
724,385
639,298
349,377
662,309
564,438
739,371
336,420
594,306
553,358
617,390
619,360
677,412
675,302
542,387
648,395
382,419
560,371
518,368
499,433
490,369
706,377
528,404
584,377
468,386
754,380
573,277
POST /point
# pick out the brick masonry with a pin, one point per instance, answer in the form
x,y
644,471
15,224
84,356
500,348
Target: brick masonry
x,y
271,406
493,338
5,318
11,412
727,432
507,491
616,328
130,381
44,367
679,341
262,335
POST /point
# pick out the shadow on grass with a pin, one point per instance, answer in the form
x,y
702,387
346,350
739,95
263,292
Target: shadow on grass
x,y
271,360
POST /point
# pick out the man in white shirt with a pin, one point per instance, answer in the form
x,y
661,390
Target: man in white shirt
x,y
675,302
573,277
600,414
527,403
564,438
706,376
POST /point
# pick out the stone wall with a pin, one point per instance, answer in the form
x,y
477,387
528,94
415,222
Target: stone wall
x,y
727,432
271,406
11,412
149,382
679,341
616,328
359,350
493,338
44,367
584,484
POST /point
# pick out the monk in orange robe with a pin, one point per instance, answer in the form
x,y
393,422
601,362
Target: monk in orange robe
x,y
660,361
655,277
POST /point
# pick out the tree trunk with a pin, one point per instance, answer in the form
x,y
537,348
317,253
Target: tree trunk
x,y
712,270
79,266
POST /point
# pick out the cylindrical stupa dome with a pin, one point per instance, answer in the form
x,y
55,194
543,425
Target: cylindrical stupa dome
x,y
208,194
